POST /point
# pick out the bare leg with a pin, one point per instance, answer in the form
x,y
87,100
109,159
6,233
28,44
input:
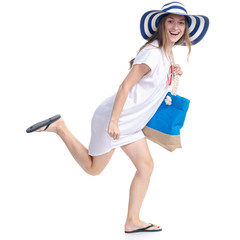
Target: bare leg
x,y
139,153
91,165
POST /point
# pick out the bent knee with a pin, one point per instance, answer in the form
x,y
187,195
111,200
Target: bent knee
x,y
146,167
150,166
93,172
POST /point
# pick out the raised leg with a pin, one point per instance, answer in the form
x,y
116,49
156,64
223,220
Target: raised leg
x,y
91,165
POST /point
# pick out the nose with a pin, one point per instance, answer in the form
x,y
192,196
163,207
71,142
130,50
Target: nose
x,y
175,26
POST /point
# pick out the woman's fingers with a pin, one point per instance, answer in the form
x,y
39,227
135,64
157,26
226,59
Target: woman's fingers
x,y
114,135
177,69
113,131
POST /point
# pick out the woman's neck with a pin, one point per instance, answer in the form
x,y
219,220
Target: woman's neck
x,y
170,54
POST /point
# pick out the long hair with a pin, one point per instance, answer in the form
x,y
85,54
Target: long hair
x,y
161,36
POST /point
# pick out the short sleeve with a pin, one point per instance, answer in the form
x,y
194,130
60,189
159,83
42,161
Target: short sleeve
x,y
148,56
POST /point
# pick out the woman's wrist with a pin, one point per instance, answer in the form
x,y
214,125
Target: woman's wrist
x,y
114,121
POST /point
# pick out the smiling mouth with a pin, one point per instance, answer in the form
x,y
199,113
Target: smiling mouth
x,y
174,34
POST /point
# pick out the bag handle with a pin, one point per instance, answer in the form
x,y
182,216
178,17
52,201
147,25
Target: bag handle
x,y
176,79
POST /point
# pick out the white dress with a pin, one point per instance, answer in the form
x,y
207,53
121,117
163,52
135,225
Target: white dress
x,y
142,102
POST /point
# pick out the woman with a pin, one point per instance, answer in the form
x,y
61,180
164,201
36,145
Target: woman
x,y
119,120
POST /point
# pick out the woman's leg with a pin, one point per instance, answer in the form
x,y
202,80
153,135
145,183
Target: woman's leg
x,y
139,153
91,165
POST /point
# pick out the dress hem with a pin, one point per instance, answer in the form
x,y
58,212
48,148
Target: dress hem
x,y
114,147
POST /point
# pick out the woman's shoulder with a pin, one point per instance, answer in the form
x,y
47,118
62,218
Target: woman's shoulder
x,y
152,46
151,55
153,49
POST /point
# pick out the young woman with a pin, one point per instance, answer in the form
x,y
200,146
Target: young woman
x,y
119,120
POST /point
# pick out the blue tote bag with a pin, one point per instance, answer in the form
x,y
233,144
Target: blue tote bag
x,y
164,127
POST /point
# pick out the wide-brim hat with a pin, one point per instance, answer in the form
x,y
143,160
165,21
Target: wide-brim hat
x,y
198,24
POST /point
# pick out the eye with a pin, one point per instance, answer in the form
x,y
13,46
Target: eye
x,y
182,23
170,21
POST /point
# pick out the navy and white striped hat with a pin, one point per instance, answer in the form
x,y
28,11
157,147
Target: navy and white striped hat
x,y
198,24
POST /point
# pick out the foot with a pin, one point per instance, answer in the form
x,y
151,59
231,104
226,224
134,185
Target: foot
x,y
134,225
53,127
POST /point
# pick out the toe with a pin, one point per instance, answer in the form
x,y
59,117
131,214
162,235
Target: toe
x,y
154,227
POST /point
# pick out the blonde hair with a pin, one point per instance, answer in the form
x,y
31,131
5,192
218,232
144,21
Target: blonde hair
x,y
161,36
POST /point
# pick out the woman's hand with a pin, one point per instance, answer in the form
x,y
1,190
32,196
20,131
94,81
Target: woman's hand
x,y
113,130
177,70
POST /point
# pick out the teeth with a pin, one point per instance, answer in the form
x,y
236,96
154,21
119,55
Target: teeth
x,y
174,33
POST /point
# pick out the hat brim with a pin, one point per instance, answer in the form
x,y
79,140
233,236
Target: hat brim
x,y
198,24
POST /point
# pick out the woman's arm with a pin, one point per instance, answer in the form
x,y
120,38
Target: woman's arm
x,y
136,73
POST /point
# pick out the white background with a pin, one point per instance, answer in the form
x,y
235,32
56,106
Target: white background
x,y
65,57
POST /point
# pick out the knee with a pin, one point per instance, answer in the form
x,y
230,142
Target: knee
x,y
146,168
150,166
93,172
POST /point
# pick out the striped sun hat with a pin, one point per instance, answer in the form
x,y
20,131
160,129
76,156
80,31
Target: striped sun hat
x,y
198,24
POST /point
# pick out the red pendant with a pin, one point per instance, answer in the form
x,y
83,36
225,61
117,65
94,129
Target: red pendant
x,y
169,75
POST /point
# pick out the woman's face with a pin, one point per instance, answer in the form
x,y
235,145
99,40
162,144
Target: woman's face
x,y
175,27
